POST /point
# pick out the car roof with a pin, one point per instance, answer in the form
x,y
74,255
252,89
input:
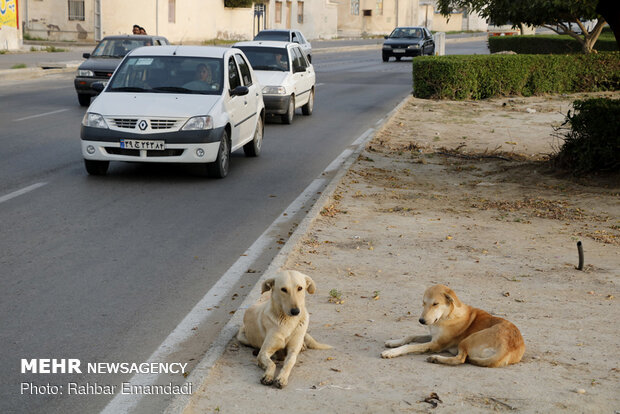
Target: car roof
x,y
278,30
139,37
265,43
410,27
175,50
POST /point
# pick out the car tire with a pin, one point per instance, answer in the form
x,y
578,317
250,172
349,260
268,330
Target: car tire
x,y
385,58
219,167
309,106
252,148
83,99
96,167
287,118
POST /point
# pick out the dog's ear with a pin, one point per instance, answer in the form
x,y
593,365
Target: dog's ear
x,y
267,285
310,286
448,297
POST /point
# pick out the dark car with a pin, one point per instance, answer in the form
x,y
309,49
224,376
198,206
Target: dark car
x,y
287,35
408,41
100,64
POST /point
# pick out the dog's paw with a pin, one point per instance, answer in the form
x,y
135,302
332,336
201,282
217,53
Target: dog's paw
x,y
393,343
433,359
266,380
388,354
280,383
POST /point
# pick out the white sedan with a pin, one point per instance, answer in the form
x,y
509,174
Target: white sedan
x,y
287,78
177,104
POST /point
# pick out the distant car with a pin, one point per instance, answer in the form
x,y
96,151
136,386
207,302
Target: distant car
x,y
287,78
408,41
286,35
105,58
176,104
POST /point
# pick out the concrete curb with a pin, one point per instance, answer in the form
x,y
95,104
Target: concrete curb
x,y
31,73
200,374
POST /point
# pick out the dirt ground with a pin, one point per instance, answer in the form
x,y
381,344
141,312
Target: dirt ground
x,y
455,193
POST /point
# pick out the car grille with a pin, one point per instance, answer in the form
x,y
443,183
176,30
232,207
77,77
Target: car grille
x,y
163,123
399,46
172,152
124,123
103,74
130,123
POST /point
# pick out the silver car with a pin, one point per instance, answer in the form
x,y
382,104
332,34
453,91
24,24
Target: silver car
x,y
287,35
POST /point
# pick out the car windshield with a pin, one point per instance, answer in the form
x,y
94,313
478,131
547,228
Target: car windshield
x,y
280,36
118,47
168,74
406,33
267,58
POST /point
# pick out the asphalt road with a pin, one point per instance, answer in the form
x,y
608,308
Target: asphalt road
x,y
103,268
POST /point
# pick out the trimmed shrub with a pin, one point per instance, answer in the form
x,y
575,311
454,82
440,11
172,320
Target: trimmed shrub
x,y
238,3
485,76
593,141
547,44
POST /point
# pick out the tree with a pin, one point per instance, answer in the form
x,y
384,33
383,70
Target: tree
x,y
553,14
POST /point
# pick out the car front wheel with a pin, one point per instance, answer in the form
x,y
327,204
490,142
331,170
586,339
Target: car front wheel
x,y
96,167
385,57
252,148
83,99
309,106
219,167
287,118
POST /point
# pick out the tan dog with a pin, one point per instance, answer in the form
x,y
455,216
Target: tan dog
x,y
279,321
469,333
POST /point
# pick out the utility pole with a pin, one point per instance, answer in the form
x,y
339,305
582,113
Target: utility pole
x,y
396,12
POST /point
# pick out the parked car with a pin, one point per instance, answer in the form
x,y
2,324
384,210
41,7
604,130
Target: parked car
x,y
176,104
287,78
286,35
104,59
408,41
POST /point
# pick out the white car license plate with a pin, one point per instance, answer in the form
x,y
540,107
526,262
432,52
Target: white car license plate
x,y
399,50
138,144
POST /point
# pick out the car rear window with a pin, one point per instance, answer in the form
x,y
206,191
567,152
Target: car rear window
x,y
281,36
168,74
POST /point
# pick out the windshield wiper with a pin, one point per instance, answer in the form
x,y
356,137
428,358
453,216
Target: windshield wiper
x,y
172,89
130,89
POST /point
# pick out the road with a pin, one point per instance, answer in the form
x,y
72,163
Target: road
x,y
102,269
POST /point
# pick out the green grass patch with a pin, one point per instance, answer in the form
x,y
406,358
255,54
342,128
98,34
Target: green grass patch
x,y
19,66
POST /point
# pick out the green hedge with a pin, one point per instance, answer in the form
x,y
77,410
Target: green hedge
x,y
238,3
547,44
486,76
593,141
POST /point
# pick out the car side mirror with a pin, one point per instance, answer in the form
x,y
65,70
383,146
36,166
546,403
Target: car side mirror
x,y
240,91
85,55
98,86
385,37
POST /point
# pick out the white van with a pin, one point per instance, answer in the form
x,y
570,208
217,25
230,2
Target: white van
x,y
176,104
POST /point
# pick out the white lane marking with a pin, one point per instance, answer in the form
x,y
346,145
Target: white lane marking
x,y
40,115
20,192
319,84
126,403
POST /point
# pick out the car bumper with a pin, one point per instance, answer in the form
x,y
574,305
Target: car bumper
x,y
406,52
276,104
180,147
83,86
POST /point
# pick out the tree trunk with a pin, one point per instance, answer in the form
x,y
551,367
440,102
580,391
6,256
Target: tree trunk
x,y
610,10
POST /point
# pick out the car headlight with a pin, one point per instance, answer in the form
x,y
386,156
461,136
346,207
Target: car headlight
x,y
416,46
86,73
386,47
274,90
94,121
197,123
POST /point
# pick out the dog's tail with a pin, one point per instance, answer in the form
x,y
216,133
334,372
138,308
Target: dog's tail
x,y
311,343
